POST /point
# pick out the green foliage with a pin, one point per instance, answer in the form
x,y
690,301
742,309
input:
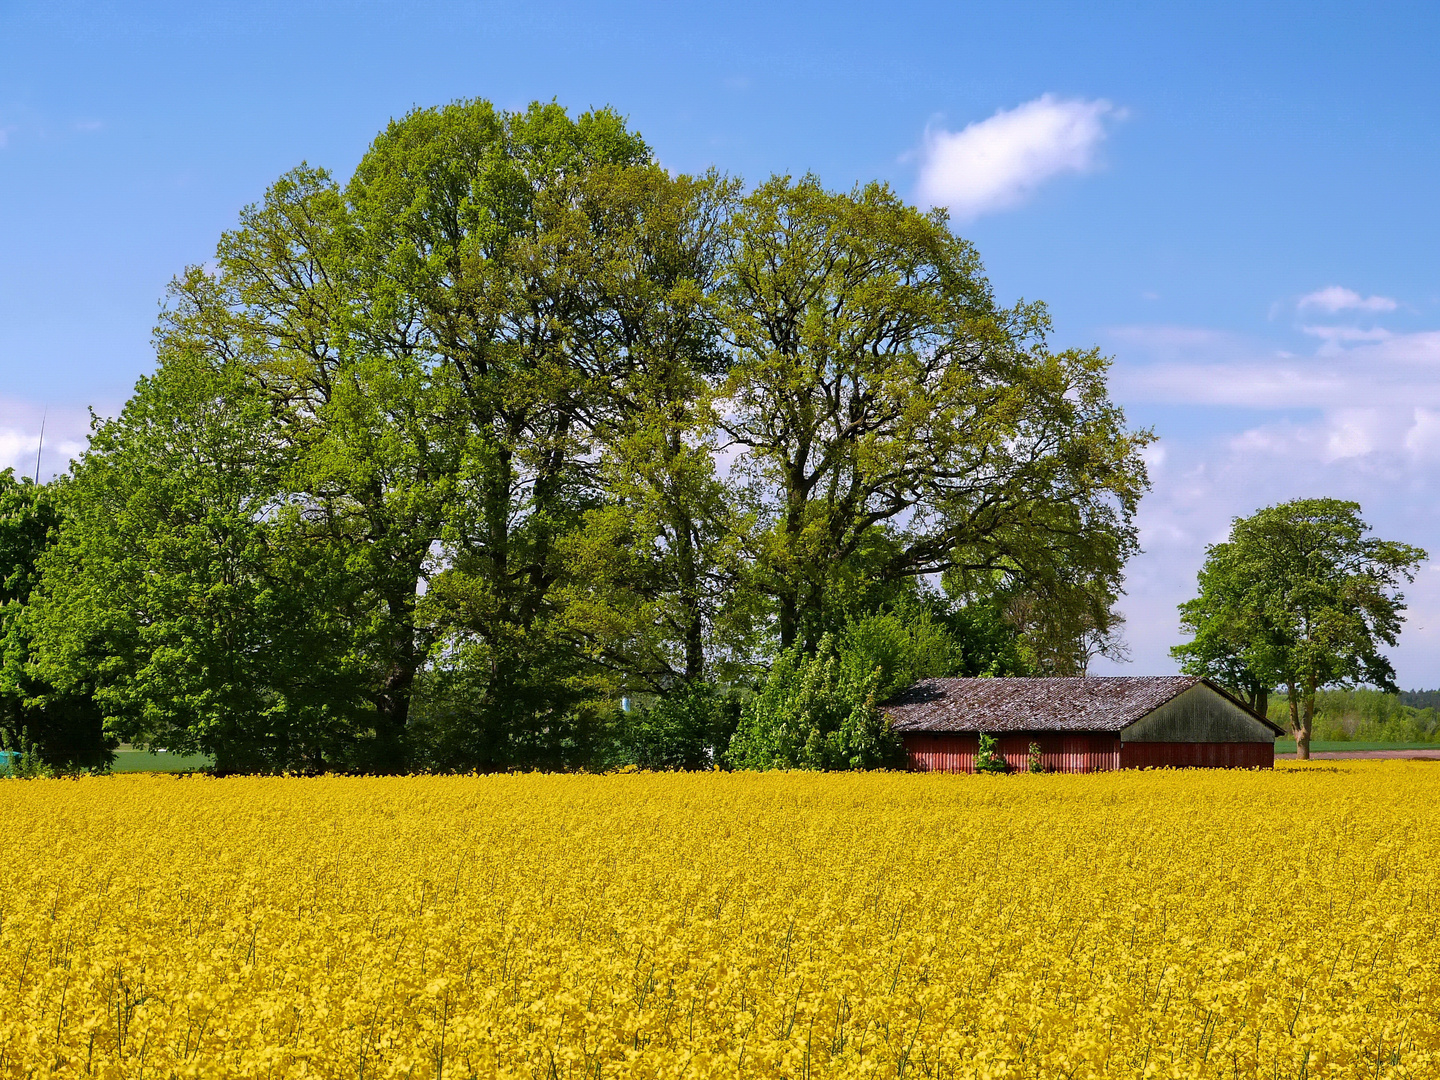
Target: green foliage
x,y
988,758
983,641
20,759
188,595
1033,759
689,728
1420,699
1064,625
1229,645
431,472
447,344
67,726
815,712
897,649
531,706
891,413
1301,596
1365,715
922,637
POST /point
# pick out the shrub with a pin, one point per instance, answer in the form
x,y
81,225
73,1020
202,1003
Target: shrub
x,y
689,728
987,758
816,712
20,758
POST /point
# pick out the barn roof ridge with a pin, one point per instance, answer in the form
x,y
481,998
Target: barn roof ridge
x,y
1040,703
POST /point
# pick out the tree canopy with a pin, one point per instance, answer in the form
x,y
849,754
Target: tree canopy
x,y
891,413
1300,596
64,726
440,462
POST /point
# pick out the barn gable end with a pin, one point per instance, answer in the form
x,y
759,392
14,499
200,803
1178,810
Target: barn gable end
x,y
1200,714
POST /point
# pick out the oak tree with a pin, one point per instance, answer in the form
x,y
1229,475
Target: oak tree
x,y
1300,594
886,404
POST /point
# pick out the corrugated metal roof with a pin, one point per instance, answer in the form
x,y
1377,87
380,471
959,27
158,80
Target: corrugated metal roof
x,y
1091,703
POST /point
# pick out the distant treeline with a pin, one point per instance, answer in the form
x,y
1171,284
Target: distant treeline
x,y
1420,699
1369,715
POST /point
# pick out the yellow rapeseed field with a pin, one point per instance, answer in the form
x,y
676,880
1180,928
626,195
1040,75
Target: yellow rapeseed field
x,y
1215,924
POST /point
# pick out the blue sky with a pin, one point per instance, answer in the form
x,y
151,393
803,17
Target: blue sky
x,y
1240,203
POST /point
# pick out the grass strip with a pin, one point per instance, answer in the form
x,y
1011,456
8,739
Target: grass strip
x,y
142,761
1287,746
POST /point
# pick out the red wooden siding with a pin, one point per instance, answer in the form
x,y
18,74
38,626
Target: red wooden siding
x,y
933,751
1243,755
955,751
930,751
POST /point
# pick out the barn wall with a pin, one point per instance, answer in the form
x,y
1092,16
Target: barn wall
x,y
1199,715
955,751
934,751
1173,755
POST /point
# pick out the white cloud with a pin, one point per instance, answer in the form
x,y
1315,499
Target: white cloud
x,y
1353,433
1244,385
997,163
66,431
15,446
1335,298
1334,335
1358,420
1423,438
1397,371
1161,337
1383,459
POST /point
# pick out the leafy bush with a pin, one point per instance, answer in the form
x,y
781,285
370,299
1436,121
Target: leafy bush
x,y
688,729
988,758
900,647
20,758
816,712
922,637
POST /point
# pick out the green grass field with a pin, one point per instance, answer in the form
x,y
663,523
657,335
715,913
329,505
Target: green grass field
x,y
144,761
1287,746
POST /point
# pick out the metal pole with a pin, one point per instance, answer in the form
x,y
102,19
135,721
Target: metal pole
x,y
43,417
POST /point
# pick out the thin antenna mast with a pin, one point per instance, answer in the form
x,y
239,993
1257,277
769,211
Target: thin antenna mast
x,y
43,416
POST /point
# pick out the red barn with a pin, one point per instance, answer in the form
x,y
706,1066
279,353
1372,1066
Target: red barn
x,y
1089,724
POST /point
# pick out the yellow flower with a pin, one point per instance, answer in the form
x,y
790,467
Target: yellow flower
x,y
1143,924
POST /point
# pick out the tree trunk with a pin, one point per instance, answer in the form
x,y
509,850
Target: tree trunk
x,y
1262,703
392,702
692,626
692,619
392,706
789,619
1302,737
1307,724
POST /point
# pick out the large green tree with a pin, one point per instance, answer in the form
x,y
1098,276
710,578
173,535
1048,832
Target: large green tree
x,y
889,409
654,567
557,280
1232,641
1302,596
65,727
498,318
521,423
191,593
